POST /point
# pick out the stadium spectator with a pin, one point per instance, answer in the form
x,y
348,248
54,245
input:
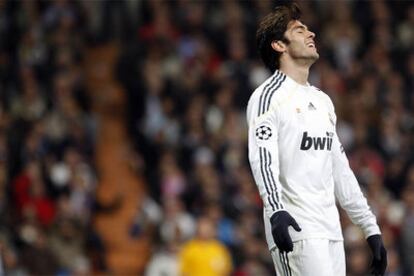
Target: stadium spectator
x,y
204,255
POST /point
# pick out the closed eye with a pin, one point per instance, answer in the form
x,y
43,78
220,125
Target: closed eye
x,y
300,29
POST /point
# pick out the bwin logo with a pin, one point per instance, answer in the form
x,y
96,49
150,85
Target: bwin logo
x,y
318,143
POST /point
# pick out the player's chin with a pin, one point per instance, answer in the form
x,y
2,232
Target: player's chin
x,y
312,57
313,52
315,55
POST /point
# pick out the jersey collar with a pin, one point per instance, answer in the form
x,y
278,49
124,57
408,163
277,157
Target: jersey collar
x,y
292,83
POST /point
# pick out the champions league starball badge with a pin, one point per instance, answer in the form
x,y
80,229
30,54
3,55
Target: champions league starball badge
x,y
263,132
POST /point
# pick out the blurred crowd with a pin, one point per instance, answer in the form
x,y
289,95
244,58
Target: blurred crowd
x,y
188,69
47,175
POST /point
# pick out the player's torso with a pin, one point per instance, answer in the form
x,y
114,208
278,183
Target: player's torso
x,y
305,133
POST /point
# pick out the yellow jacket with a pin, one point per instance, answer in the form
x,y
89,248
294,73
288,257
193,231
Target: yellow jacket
x,y
204,258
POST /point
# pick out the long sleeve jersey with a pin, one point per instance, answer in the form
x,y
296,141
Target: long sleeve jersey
x,y
298,162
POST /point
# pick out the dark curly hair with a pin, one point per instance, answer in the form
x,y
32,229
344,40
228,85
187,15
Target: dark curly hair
x,y
272,27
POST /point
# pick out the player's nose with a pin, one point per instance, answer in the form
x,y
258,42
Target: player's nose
x,y
311,34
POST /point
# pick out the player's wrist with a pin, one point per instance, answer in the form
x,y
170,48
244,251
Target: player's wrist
x,y
370,229
375,242
278,215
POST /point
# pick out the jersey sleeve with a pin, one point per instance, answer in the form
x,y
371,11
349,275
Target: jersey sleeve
x,y
263,155
347,190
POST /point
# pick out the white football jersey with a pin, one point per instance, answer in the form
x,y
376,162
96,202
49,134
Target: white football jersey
x,y
298,162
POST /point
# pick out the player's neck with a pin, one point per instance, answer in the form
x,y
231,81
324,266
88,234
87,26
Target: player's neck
x,y
296,72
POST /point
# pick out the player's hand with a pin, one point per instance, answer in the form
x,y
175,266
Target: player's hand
x,y
280,221
379,259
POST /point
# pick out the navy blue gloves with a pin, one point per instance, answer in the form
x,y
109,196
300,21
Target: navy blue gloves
x,y
379,259
280,221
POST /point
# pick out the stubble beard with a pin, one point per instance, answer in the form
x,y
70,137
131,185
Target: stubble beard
x,y
303,56
306,59
313,58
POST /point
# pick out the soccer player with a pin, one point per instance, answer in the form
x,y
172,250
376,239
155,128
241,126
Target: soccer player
x,y
297,161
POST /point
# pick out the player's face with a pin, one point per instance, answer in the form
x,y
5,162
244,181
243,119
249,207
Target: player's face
x,y
302,45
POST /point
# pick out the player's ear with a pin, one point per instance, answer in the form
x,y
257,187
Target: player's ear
x,y
278,46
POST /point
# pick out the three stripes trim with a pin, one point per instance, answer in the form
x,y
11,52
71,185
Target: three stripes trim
x,y
268,179
268,91
284,260
265,156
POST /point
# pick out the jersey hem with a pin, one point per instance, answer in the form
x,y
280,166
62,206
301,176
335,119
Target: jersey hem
x,y
311,238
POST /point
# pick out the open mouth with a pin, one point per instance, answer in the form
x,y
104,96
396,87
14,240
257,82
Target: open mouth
x,y
311,45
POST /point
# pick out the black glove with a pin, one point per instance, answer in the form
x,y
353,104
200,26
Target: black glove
x,y
280,221
379,260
